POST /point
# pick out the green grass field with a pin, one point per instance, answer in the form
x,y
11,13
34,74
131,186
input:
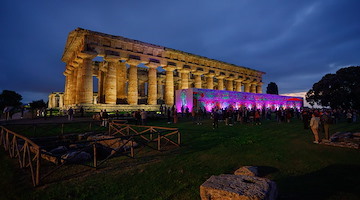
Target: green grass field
x,y
285,153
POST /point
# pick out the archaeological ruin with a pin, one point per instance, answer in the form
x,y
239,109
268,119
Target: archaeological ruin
x,y
138,75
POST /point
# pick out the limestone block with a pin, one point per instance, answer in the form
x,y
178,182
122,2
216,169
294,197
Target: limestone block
x,y
237,187
247,171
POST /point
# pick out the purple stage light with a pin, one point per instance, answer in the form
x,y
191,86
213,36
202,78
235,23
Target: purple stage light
x,y
209,99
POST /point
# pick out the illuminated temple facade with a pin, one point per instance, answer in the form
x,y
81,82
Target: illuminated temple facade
x,y
130,74
195,98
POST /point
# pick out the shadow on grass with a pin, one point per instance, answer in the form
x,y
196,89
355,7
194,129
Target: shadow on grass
x,y
332,182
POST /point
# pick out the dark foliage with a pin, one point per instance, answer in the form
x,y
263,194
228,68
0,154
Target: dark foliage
x,y
339,90
38,104
9,98
272,88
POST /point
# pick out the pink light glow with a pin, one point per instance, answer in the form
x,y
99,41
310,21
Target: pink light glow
x,y
222,99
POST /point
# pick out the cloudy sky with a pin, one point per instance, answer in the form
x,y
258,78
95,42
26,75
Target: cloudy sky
x,y
294,42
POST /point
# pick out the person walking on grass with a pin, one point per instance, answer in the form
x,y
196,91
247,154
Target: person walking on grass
x,y
70,114
314,125
325,120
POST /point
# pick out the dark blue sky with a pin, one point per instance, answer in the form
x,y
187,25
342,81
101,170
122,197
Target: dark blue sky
x,y
294,42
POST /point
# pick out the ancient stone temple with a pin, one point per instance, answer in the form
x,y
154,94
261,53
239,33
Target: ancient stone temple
x,y
132,74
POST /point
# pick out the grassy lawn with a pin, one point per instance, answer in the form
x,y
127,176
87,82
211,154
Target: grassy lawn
x,y
285,153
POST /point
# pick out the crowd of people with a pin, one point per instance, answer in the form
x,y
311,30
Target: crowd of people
x,y
317,120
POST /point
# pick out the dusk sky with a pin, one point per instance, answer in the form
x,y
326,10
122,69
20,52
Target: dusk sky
x,y
294,42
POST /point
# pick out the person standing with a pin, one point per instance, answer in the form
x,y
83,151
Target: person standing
x,y
105,118
143,117
81,111
70,114
325,121
314,125
216,116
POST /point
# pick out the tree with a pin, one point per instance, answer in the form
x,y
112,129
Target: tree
x,y
39,104
9,98
272,88
339,90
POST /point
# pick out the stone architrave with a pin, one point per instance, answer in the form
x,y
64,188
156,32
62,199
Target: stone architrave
x,y
152,86
238,187
210,81
169,85
121,80
133,94
110,80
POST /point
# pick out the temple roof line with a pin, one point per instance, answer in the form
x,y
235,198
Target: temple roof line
x,y
82,32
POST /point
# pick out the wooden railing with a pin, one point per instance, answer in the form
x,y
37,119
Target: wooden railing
x,y
30,155
26,151
147,133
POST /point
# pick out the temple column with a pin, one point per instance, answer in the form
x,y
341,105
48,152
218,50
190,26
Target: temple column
x,y
101,83
51,101
121,80
184,78
141,88
246,87
133,94
259,87
78,81
61,101
220,82
67,88
169,85
73,89
160,88
229,84
253,88
152,84
85,81
198,82
210,81
238,85
110,80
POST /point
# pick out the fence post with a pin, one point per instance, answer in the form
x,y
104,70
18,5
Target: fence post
x,y
38,163
132,148
179,137
95,159
159,141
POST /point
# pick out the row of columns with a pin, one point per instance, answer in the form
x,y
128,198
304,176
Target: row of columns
x,y
112,81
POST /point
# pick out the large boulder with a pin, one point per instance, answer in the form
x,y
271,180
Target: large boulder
x,y
238,187
247,171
